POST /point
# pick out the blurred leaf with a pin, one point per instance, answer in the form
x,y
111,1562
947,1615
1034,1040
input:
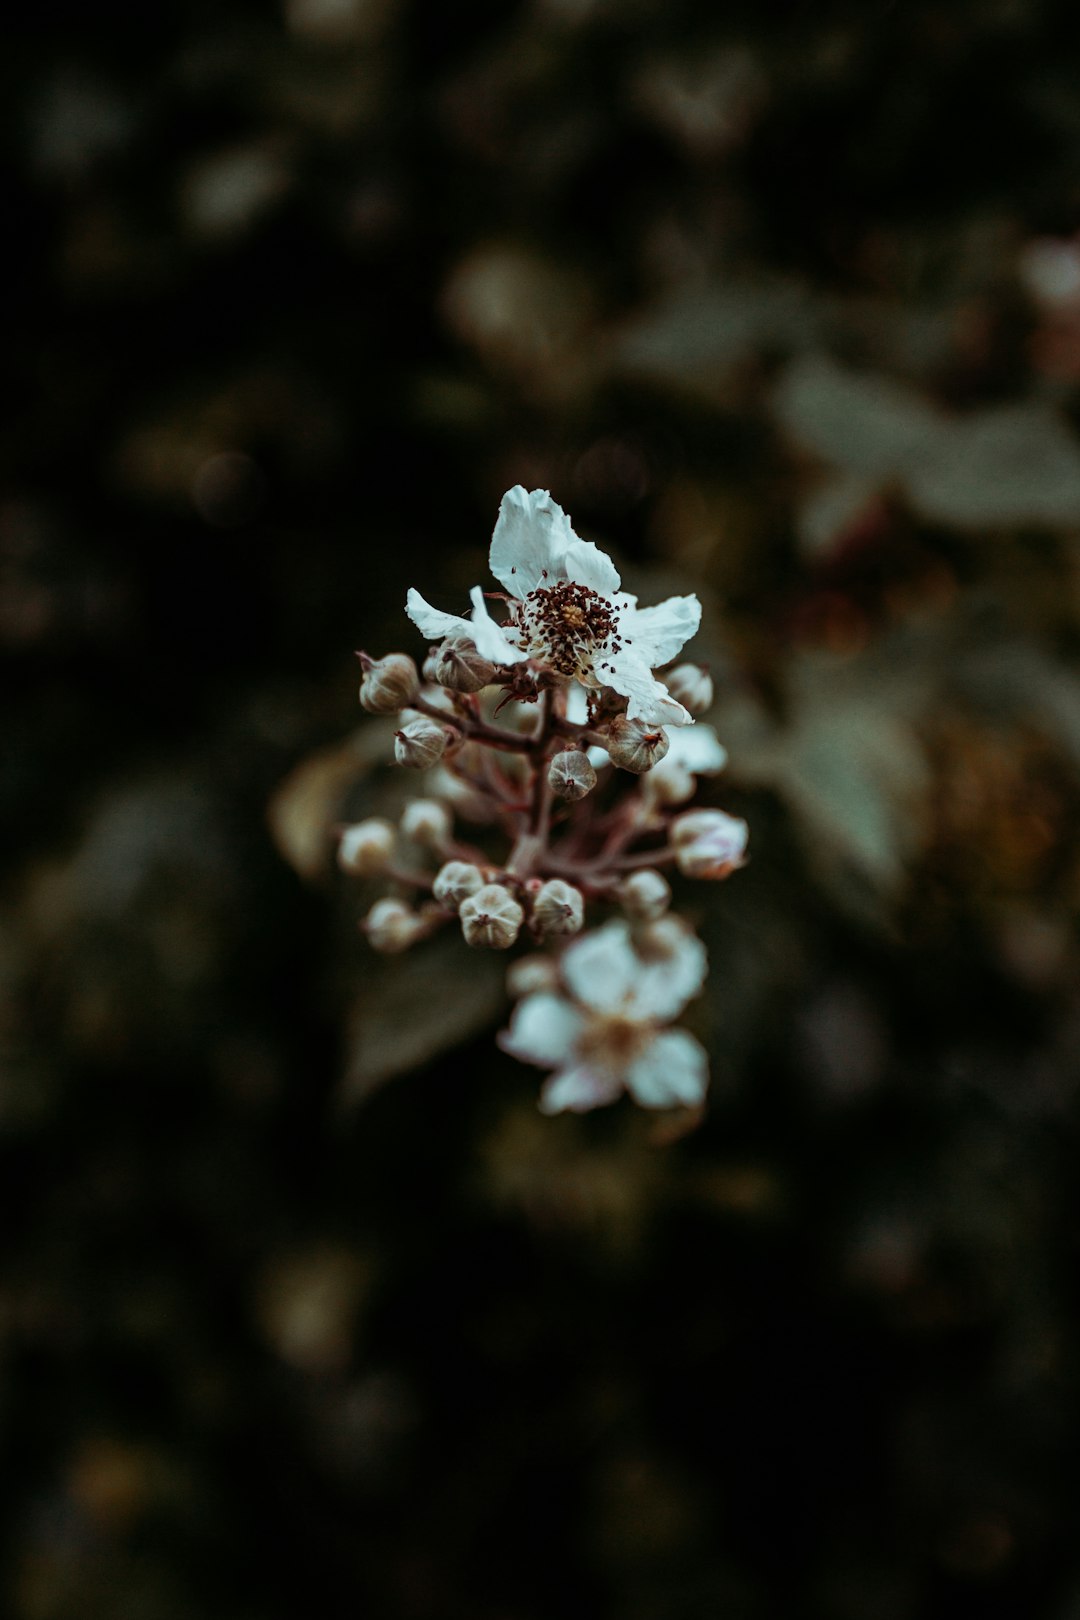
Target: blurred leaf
x,y
866,424
1006,465
302,812
849,763
703,340
411,1008
1013,464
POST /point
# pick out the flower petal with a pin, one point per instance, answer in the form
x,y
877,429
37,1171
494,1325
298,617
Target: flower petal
x,y
601,967
578,1090
659,632
696,748
543,1029
586,564
431,622
532,534
489,638
650,699
673,1071
577,712
672,972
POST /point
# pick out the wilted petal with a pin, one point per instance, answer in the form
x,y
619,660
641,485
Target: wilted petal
x,y
672,1072
601,967
659,633
489,638
649,698
532,534
578,1090
543,1029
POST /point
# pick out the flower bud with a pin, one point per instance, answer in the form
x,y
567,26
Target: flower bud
x,y
388,683
634,745
558,908
531,975
691,685
428,667
571,775
426,821
392,926
669,783
420,744
365,848
455,882
644,895
714,845
694,823
491,917
458,665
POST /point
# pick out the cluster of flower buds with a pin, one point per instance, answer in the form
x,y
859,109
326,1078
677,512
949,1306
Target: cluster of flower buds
x,y
558,765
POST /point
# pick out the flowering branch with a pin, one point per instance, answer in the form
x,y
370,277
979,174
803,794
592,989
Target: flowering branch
x,y
599,754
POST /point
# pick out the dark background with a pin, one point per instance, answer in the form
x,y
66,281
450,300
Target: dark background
x,y
304,1308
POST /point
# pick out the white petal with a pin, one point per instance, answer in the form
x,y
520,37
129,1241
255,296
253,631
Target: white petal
x,y
600,968
665,983
658,633
650,699
433,624
696,748
578,1090
577,705
588,565
543,1029
532,534
490,639
577,712
673,1071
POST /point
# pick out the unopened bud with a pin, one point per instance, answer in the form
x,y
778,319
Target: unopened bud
x,y
558,908
388,683
692,686
633,745
428,667
571,775
669,783
455,882
644,895
695,823
491,917
365,848
530,975
709,844
392,926
459,666
420,744
427,821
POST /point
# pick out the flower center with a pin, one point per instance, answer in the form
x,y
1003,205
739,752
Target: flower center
x,y
568,623
613,1042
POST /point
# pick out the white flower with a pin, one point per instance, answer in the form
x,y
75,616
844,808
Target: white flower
x,y
607,1035
567,611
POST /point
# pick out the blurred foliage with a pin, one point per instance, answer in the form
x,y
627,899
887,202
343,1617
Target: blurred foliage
x,y
784,304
